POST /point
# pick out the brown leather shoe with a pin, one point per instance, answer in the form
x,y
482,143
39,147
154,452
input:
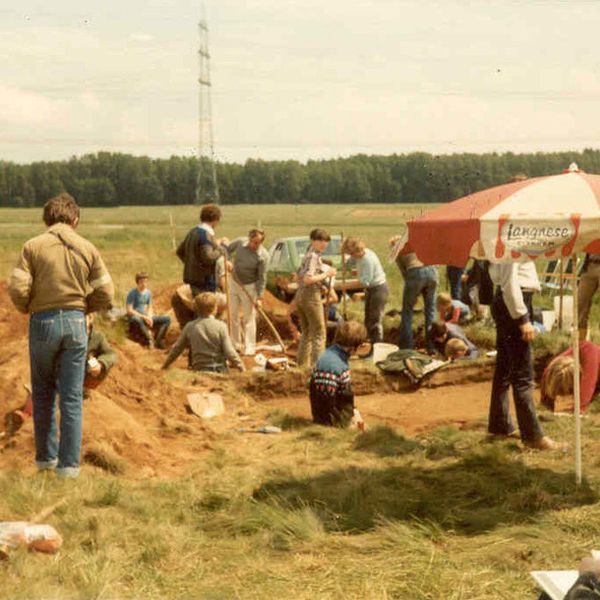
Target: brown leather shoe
x,y
497,437
546,443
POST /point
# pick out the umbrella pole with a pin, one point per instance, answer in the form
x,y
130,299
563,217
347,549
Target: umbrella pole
x,y
561,292
576,378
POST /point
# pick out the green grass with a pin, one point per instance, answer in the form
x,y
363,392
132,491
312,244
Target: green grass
x,y
334,515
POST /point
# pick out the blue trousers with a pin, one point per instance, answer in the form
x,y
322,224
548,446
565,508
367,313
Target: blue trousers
x,y
57,354
418,281
454,275
163,320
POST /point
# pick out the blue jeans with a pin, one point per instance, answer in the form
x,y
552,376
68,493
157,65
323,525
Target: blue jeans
x,y
164,321
57,354
454,275
418,280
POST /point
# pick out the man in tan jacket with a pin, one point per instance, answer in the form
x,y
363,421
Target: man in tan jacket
x,y
59,277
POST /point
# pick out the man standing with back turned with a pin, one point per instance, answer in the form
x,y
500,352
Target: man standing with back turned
x,y
59,277
512,310
200,251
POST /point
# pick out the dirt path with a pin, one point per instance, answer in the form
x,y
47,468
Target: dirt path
x,y
415,412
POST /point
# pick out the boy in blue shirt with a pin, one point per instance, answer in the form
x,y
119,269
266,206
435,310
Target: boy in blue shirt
x,y
141,315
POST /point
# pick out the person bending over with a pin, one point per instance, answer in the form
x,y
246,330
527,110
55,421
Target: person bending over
x,y
442,333
558,376
330,388
451,310
141,314
207,338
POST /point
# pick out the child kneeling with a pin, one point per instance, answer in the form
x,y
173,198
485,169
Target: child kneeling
x,y
207,338
331,396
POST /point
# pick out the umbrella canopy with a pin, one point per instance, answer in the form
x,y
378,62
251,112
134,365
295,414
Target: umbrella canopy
x,y
547,217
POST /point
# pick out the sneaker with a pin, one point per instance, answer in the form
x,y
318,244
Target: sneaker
x,y
151,344
546,443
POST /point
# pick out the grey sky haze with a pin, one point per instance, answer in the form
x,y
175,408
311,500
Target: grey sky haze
x,y
299,79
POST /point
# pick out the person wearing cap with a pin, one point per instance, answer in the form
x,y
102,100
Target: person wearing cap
x,y
512,311
311,275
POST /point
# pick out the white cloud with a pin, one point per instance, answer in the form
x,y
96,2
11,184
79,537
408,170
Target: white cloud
x,y
141,37
21,108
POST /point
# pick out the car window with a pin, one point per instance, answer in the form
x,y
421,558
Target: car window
x,y
276,257
333,248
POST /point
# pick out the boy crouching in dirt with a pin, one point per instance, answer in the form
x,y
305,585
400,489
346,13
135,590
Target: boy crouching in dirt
x,y
331,395
207,338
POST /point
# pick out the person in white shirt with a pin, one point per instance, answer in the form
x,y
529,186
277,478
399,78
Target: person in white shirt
x,y
372,276
512,310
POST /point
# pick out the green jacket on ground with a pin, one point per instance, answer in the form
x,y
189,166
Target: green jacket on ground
x,y
99,348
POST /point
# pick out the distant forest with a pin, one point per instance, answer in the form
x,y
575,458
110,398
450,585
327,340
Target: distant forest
x,y
110,179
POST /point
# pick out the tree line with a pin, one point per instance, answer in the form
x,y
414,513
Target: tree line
x,y
111,179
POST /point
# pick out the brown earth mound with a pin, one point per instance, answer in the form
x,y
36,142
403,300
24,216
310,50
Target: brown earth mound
x,y
136,417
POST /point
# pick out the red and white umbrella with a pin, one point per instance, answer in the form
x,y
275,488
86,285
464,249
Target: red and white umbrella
x,y
546,217
543,217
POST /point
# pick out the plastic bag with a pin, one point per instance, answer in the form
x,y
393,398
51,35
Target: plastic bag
x,y
42,538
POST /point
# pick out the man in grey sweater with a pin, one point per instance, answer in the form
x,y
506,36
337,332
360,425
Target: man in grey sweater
x,y
207,338
247,287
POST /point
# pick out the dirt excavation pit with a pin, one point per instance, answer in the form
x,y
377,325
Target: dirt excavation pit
x,y
136,423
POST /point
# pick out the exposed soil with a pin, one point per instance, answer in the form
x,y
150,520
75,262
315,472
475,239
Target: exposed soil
x,y
464,406
139,413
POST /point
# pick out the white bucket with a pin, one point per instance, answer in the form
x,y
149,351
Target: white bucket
x,y
548,319
567,315
381,351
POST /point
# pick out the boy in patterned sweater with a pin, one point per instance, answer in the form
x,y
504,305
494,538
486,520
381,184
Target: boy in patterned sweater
x,y
331,396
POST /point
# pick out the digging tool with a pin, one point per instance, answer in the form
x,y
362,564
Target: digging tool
x,y
263,314
327,297
344,311
46,512
226,290
172,231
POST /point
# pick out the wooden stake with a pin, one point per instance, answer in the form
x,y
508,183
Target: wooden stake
x,y
344,311
561,293
172,231
226,276
46,512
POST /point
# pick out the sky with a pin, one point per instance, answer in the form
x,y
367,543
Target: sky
x,y
305,79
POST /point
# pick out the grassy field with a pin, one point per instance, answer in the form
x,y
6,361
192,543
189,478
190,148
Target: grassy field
x,y
311,513
139,238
